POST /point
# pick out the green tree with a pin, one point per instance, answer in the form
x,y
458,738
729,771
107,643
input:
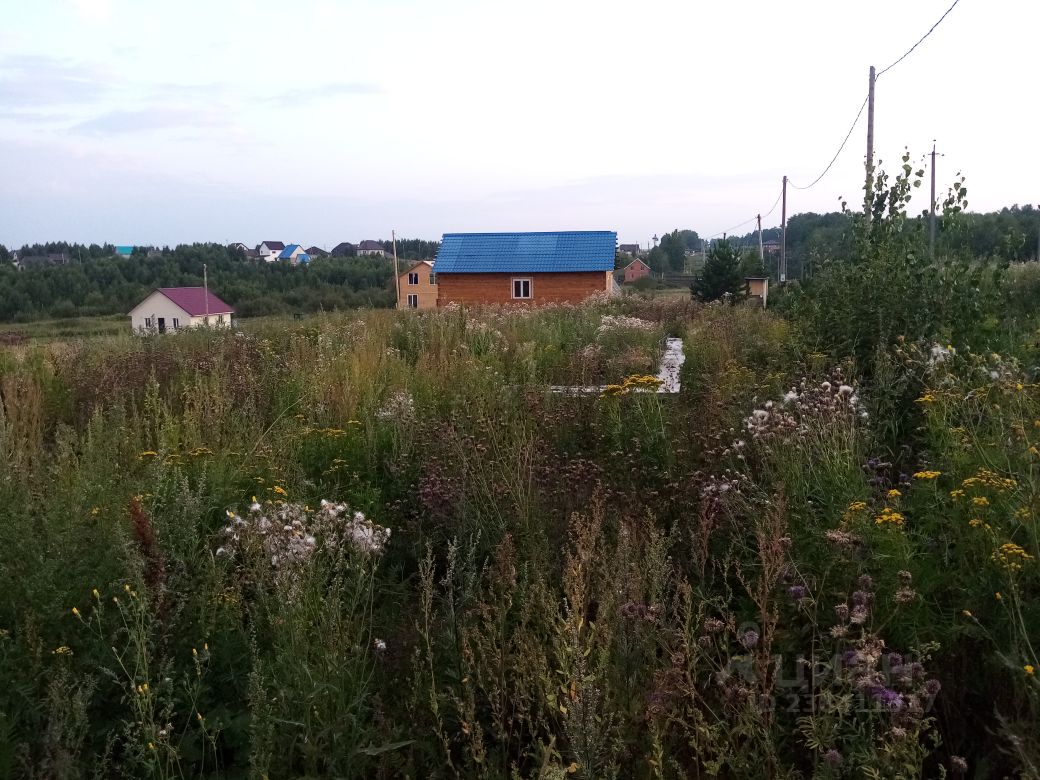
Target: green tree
x,y
674,247
721,274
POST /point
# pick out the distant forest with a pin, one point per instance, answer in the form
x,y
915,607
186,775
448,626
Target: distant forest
x,y
95,282
1009,234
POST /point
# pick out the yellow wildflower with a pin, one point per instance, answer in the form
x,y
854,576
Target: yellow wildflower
x,y
967,613
927,474
1011,556
279,490
75,612
889,516
63,650
95,593
893,493
958,493
998,596
148,454
1028,668
857,506
980,501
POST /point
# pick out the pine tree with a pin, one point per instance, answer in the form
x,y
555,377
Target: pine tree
x,y
721,274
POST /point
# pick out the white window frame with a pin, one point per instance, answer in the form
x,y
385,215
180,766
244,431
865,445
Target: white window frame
x,y
148,322
413,278
530,288
413,300
176,323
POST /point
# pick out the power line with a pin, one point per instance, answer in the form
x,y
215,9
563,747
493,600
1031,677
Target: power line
x,y
748,221
930,31
848,135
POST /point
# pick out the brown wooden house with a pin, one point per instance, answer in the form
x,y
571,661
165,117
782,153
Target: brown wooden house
x,y
525,268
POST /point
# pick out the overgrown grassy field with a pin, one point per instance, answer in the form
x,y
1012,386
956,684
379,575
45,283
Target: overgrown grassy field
x,y
799,566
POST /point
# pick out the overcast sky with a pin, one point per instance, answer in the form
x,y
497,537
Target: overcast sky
x,y
319,121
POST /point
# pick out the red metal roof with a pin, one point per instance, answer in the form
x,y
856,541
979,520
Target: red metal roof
x,y
193,300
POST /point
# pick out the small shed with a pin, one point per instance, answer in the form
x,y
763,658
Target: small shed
x,y
757,290
170,309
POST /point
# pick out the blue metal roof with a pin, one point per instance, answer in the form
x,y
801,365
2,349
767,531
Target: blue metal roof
x,y
287,252
126,251
587,250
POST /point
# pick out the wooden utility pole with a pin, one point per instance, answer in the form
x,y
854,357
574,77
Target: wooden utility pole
x,y
783,235
761,249
931,227
397,272
868,195
205,289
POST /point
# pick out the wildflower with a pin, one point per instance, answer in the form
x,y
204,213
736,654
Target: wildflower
x,y
842,612
797,592
927,398
749,639
857,506
893,493
998,596
967,613
279,490
151,746
63,650
927,474
95,593
379,645
75,612
980,501
1011,556
147,454
889,516
833,758
1028,669
958,493
958,765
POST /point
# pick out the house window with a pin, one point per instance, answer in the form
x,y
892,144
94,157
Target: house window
x,y
521,288
176,323
413,278
433,278
148,322
413,301
220,319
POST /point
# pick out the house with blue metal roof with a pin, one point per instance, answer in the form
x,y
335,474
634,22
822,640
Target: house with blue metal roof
x,y
295,254
525,268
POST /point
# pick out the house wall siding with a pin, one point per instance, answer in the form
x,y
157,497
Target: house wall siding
x,y
427,292
477,289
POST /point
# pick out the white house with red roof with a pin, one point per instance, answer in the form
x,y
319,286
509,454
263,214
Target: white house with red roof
x,y
170,309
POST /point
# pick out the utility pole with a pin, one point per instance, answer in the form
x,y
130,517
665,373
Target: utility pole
x,y
931,227
761,249
205,289
869,191
397,271
783,235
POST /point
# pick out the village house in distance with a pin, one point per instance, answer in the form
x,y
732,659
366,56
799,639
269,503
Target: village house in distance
x,y
170,309
525,268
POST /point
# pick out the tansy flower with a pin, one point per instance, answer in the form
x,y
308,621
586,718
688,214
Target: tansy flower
x,y
279,490
1028,668
63,650
927,474
980,501
893,493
